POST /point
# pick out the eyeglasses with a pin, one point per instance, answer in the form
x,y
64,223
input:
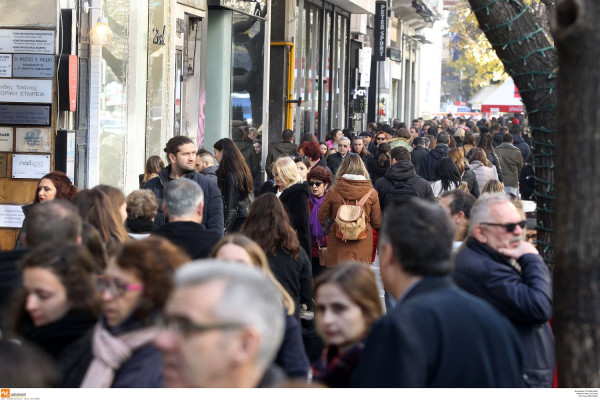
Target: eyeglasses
x,y
115,288
317,184
380,138
343,145
184,327
510,227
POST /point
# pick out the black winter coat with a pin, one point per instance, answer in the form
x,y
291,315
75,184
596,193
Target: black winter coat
x,y
235,204
418,158
471,179
441,150
212,215
519,142
252,159
190,236
295,201
334,161
524,298
402,171
295,275
377,171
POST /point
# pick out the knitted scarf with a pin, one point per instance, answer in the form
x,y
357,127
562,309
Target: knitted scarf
x,y
110,352
316,229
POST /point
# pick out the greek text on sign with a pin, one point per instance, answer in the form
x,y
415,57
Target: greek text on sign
x,y
26,41
33,140
11,216
30,166
24,114
25,91
6,138
33,66
5,65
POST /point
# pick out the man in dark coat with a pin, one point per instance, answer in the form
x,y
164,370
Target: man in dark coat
x,y
519,142
183,203
182,157
419,155
369,143
334,161
438,335
440,150
249,153
402,171
511,163
286,146
499,267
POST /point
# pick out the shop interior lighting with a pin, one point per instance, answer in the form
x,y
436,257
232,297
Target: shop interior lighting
x,y
100,34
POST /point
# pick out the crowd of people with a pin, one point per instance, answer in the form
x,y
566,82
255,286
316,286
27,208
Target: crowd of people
x,y
209,277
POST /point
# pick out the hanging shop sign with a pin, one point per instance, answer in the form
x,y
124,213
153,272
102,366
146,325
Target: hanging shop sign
x,y
6,138
11,216
30,166
33,66
25,91
33,140
380,30
13,114
5,65
26,41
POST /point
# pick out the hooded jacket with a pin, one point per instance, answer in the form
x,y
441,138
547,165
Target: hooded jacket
x,y
212,214
520,143
402,171
441,150
511,162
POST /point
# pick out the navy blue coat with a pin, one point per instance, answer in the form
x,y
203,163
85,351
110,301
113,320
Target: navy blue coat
x,y
519,142
524,298
440,336
212,215
429,162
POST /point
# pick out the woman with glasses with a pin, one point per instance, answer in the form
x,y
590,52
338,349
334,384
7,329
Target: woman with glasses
x,y
235,182
291,356
352,184
58,307
293,194
319,180
347,306
133,288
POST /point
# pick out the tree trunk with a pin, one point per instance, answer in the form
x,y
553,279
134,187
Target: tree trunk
x,y
528,56
577,277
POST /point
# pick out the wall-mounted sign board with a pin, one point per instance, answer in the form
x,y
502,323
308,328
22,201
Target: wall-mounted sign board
x,y
3,165
30,166
13,114
33,66
26,41
33,140
6,138
11,216
25,91
5,65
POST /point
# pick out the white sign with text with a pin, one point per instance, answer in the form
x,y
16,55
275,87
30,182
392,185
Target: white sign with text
x,y
30,166
26,90
11,216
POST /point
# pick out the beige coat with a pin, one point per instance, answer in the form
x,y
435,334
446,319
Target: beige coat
x,y
351,191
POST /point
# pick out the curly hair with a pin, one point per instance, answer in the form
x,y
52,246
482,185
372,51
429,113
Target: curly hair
x,y
320,174
141,204
310,150
65,190
152,260
275,234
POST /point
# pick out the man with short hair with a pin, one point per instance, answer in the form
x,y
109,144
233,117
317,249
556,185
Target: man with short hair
x,y
511,164
205,164
498,266
401,182
457,204
286,146
223,326
441,150
181,153
437,336
183,204
419,154
369,144
519,142
335,160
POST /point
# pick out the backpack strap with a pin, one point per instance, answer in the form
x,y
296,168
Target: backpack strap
x,y
341,199
363,200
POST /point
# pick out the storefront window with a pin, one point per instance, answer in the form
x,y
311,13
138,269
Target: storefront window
x,y
248,35
112,113
339,83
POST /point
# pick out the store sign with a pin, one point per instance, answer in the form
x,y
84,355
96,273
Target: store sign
x,y
33,66
380,30
26,41
25,91
30,166
5,65
33,140
11,216
6,138
24,115
364,66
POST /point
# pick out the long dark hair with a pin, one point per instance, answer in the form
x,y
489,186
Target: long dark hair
x,y
268,224
382,155
447,172
233,165
485,142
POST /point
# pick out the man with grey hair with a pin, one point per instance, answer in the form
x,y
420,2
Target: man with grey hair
x,y
183,204
222,328
497,265
335,160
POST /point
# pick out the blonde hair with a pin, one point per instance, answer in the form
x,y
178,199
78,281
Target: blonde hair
x,y
352,165
286,168
459,132
259,259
